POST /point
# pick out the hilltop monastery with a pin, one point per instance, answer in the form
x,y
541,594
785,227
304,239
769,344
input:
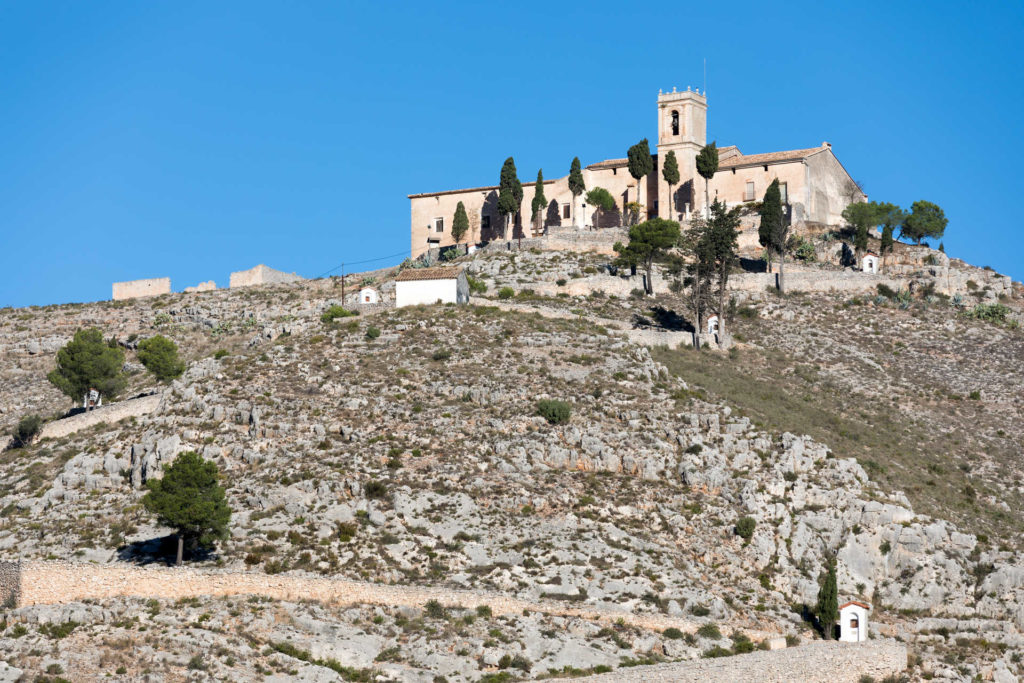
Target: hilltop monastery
x,y
815,186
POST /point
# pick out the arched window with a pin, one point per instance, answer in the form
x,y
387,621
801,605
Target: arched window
x,y
675,123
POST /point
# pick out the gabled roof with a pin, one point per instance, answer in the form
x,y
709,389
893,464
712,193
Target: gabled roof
x,y
854,602
436,273
742,160
609,163
728,153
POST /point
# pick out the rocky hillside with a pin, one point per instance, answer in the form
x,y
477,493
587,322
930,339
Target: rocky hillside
x,y
405,447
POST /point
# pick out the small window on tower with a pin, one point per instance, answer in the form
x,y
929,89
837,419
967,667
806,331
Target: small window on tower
x,y
675,123
566,211
438,225
748,193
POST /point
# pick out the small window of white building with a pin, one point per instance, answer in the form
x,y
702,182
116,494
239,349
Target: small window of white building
x,y
566,211
748,192
439,225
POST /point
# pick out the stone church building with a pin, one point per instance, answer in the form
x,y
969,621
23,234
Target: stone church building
x,y
815,186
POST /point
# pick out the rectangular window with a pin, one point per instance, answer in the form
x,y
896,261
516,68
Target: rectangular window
x,y
566,211
784,191
438,225
485,222
748,193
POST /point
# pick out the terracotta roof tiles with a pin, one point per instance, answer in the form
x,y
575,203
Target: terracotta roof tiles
x,y
436,273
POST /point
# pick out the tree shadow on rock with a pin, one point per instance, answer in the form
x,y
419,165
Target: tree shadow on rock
x,y
162,550
665,319
750,265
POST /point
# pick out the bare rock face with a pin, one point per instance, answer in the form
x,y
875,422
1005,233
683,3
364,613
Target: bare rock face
x,y
417,458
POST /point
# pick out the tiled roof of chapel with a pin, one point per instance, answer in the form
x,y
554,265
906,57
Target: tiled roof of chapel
x,y
436,273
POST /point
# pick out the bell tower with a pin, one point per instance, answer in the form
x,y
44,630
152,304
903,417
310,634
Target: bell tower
x,y
682,128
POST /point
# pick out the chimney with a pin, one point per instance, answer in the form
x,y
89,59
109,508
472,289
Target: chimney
x,y
827,144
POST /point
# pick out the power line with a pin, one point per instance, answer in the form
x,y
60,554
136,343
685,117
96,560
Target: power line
x,y
356,263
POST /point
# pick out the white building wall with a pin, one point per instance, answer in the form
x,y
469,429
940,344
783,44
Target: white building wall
x,y
849,634
415,292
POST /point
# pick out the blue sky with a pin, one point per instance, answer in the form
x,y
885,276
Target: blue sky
x,y
193,139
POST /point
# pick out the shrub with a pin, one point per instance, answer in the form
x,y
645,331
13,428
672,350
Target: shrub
x,y
745,528
441,354
561,282
885,547
709,631
435,610
672,633
376,489
506,293
335,312
372,332
555,412
27,428
220,353
975,395
886,291
995,313
160,356
699,611
58,631
476,286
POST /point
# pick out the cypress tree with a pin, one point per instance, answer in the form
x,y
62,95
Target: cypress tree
x,y
707,167
722,235
510,193
640,165
828,602
771,228
539,202
886,243
460,224
576,184
670,172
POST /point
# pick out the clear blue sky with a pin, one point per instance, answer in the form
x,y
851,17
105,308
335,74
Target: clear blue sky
x,y
192,139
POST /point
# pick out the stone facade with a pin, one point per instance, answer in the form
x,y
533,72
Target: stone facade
x,y
134,289
261,275
817,187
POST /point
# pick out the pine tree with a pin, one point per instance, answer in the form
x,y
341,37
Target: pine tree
x,y
886,244
648,241
926,221
861,216
510,193
602,200
707,167
190,499
640,165
460,223
160,356
87,362
576,184
828,602
539,202
670,172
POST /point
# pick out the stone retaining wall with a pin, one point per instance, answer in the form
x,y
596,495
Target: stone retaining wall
x,y
817,662
44,583
10,584
109,413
